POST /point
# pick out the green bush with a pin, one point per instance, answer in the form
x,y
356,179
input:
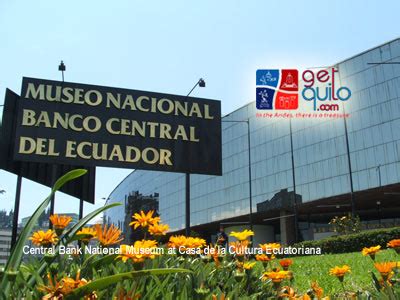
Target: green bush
x,y
353,242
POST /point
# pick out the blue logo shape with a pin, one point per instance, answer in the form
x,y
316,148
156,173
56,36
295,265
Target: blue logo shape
x,y
267,77
264,98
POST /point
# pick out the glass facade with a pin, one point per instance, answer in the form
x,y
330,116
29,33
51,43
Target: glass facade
x,y
320,154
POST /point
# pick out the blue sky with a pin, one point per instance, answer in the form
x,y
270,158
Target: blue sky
x,y
167,46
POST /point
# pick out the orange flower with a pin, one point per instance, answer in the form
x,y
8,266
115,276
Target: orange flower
x,y
239,247
395,244
317,290
60,221
285,263
217,257
54,288
221,297
108,236
143,219
385,269
339,272
181,241
125,295
42,238
288,292
58,289
70,283
158,229
276,276
371,251
87,233
264,258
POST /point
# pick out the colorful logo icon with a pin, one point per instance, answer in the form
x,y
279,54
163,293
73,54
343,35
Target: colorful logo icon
x,y
277,89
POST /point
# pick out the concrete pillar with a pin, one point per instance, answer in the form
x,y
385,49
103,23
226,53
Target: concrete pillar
x,y
287,228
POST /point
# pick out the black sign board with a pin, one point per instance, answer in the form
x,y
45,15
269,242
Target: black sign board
x,y
79,124
81,188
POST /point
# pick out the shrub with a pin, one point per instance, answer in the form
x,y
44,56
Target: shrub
x,y
346,224
353,242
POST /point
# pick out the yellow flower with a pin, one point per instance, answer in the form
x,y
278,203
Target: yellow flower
x,y
60,221
276,276
339,272
371,251
87,234
285,263
108,236
158,229
41,238
143,219
146,243
177,241
184,242
270,247
242,235
128,252
385,269
192,242
248,265
138,252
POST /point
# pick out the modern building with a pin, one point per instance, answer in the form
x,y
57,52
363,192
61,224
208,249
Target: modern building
x,y
5,245
336,167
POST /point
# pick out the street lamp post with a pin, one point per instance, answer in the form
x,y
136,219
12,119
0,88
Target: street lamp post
x,y
378,169
62,69
200,83
296,224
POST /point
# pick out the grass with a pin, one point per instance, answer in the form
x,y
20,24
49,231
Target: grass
x,y
316,268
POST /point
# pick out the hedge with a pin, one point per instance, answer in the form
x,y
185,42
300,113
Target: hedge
x,y
353,242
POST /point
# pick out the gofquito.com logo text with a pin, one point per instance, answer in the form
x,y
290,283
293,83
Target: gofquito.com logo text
x,y
279,89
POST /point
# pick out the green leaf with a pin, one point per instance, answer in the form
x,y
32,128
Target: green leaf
x,y
17,252
68,177
102,283
105,260
376,282
78,237
69,236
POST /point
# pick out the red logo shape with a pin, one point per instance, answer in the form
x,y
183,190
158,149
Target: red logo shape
x,y
286,101
289,80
